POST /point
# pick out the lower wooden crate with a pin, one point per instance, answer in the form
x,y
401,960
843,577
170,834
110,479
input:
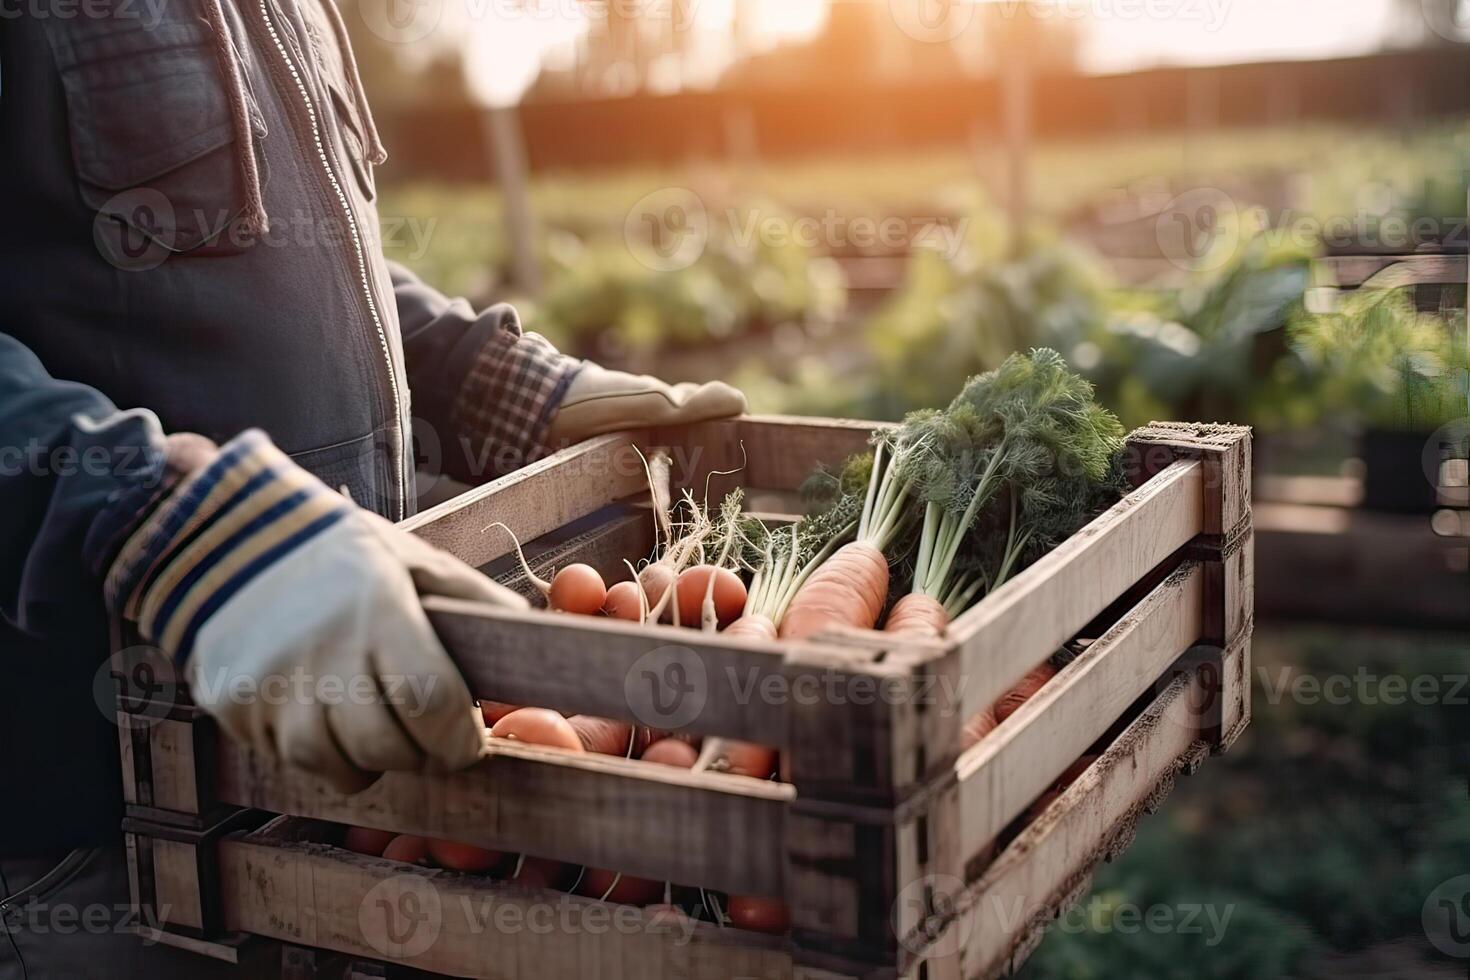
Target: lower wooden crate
x,y
281,883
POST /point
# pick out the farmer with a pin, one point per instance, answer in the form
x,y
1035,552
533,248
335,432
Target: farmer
x,y
208,378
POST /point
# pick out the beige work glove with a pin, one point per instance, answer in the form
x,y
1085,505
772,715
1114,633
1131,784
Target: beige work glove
x,y
600,401
297,619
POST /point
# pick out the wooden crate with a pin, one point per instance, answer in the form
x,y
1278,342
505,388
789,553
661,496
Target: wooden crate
x,y
880,840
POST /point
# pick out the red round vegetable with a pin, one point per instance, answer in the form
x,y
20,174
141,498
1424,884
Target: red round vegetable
x,y
538,726
463,857
577,589
408,849
758,914
694,584
365,840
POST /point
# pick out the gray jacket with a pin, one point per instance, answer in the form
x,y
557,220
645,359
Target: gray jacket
x,y
190,244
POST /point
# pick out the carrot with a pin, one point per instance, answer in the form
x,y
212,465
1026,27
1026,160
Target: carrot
x,y
849,589
917,615
753,626
1011,701
608,737
978,727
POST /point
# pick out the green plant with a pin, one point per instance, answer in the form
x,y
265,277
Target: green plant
x,y
1379,362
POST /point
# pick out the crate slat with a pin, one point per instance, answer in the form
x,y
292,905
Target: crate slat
x,y
1024,621
1036,877
535,500
598,666
644,819
454,924
999,777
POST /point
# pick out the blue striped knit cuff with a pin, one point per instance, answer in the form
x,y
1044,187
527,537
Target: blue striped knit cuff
x,y
217,532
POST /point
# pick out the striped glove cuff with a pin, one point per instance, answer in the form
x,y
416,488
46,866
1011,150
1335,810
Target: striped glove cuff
x,y
219,530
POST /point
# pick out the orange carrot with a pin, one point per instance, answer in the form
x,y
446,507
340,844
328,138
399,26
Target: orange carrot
x,y
847,590
977,728
1011,701
917,615
608,737
753,626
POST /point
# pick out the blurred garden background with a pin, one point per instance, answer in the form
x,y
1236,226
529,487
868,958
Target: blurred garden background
x,y
1235,210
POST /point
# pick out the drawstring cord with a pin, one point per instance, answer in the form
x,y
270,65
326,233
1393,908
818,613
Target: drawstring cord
x,y
376,153
254,218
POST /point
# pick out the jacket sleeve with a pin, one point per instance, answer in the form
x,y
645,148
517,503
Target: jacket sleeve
x,y
485,387
76,474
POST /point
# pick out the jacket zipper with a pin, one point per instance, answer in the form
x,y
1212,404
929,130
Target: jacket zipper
x,y
361,253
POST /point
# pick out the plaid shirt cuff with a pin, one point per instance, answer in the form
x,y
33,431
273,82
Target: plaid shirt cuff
x,y
508,398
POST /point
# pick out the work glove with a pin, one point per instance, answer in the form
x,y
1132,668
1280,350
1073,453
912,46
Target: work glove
x,y
600,401
296,618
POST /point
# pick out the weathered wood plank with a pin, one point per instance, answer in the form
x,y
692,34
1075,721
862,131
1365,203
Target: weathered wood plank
x,y
1000,776
712,829
542,497
461,925
1031,616
653,674
1037,874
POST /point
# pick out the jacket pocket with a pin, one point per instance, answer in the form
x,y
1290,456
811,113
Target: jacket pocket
x,y
152,136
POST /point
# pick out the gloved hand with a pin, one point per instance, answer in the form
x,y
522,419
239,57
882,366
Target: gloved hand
x,y
296,617
600,401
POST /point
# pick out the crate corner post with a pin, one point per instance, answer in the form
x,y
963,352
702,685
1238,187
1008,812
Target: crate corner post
x,y
1226,550
874,822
